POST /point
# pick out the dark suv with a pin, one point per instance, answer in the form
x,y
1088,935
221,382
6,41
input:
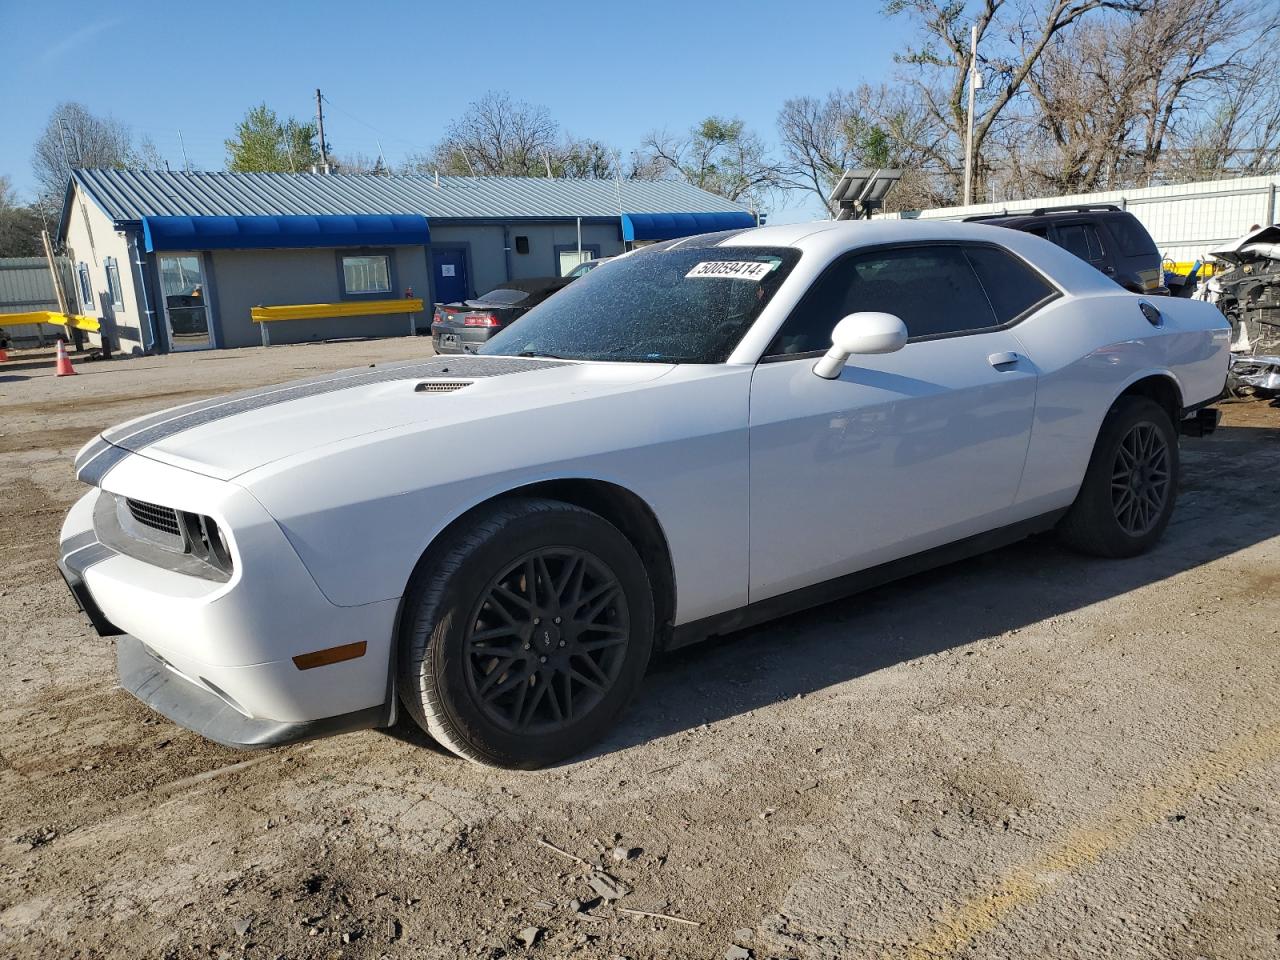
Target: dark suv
x,y
1104,235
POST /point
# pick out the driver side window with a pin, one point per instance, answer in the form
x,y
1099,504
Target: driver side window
x,y
932,289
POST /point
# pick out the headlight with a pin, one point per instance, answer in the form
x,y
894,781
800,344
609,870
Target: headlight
x,y
178,540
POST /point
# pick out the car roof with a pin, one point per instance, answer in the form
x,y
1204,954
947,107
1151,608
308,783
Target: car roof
x,y
1019,220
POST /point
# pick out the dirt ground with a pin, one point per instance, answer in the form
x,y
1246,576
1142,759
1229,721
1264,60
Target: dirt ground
x,y
1030,754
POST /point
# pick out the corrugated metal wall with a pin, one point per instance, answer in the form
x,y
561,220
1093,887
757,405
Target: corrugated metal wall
x,y
1186,220
25,285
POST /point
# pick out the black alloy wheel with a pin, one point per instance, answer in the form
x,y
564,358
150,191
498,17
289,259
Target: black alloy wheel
x,y
525,632
1127,495
547,640
1140,479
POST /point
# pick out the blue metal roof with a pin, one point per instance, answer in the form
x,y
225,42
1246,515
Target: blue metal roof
x,y
127,196
260,232
668,226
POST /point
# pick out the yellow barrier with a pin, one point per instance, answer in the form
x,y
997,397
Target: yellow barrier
x,y
55,319
1184,267
324,311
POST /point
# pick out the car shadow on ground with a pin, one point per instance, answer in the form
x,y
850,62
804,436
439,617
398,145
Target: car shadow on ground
x,y
1230,500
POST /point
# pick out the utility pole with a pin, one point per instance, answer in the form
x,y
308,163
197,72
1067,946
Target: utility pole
x,y
975,81
324,155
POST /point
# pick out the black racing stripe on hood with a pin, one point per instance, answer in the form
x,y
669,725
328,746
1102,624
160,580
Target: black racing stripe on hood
x,y
99,457
95,468
438,367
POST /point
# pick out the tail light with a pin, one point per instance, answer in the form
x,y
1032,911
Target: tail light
x,y
480,320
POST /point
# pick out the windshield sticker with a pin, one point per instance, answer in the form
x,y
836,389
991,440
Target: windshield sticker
x,y
732,269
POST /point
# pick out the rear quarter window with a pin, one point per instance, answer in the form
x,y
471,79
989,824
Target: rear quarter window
x,y
1013,288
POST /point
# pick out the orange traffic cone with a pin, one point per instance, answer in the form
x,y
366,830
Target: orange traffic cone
x,y
63,367
4,354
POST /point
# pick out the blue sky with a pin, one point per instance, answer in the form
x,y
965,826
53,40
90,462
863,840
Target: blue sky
x,y
399,71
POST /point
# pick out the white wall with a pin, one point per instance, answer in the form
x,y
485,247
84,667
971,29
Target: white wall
x,y
1186,220
91,238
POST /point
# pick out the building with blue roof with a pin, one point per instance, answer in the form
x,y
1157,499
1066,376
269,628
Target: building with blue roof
x,y
176,261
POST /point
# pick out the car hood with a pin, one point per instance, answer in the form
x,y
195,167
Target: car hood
x,y
228,436
1259,244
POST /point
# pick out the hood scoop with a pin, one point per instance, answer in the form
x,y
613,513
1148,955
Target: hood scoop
x,y
441,386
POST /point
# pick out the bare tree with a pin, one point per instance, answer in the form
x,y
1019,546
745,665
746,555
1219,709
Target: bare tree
x,y
1136,100
719,155
818,141
883,126
498,137
1012,37
584,159
75,137
1241,137
361,164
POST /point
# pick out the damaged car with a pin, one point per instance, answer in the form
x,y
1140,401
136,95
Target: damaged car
x,y
1247,291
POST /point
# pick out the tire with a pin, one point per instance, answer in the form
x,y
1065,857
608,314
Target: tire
x,y
472,637
1129,489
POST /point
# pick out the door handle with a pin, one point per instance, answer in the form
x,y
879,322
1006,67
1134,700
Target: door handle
x,y
1003,359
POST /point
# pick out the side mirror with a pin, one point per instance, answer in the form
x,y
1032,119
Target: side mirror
x,y
861,333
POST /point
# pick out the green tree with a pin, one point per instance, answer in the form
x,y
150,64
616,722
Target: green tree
x,y
263,144
19,225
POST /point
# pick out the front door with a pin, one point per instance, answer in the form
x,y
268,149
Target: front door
x,y
904,451
186,301
449,272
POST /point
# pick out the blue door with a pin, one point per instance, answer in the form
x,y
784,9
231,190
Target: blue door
x,y
449,273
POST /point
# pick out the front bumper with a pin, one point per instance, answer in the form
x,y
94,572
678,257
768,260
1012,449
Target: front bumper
x,y
144,674
231,642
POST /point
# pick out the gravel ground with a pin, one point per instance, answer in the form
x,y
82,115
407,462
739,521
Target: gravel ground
x,y
1029,754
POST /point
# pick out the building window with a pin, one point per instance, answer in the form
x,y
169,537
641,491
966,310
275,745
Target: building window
x,y
363,275
113,283
569,257
522,244
86,287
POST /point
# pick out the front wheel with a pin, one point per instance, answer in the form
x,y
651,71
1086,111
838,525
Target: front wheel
x,y
1129,489
525,634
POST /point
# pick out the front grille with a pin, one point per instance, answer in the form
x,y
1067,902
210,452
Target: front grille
x,y
154,516
441,387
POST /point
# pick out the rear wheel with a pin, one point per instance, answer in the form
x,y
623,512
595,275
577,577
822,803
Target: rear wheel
x,y
1128,493
526,634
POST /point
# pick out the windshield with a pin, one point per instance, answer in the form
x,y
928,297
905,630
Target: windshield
x,y
674,305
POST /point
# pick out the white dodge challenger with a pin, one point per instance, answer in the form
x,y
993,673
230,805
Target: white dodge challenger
x,y
702,435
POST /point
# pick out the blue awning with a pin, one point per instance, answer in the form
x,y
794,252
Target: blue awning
x,y
292,232
668,226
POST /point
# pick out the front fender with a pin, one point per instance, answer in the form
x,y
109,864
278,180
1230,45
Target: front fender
x,y
362,516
